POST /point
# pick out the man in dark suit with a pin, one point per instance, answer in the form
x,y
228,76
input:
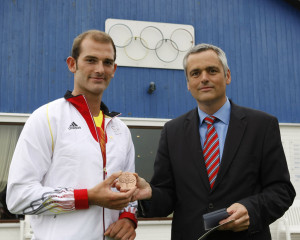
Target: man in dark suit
x,y
250,177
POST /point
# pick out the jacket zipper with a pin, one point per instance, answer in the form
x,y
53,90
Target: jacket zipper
x,y
104,163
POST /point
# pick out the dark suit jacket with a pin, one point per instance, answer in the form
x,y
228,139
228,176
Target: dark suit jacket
x,y
253,172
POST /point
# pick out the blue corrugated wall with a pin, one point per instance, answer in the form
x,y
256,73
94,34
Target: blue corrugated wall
x,y
261,39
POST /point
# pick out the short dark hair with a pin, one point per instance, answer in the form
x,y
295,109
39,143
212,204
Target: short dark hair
x,y
96,35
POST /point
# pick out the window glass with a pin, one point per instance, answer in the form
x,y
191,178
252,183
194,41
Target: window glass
x,y
145,141
9,135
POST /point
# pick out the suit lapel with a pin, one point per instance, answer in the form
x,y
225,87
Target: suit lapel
x,y
236,129
192,140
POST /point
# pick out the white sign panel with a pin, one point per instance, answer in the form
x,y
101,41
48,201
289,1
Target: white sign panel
x,y
150,44
290,137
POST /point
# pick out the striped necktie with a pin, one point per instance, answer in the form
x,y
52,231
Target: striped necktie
x,y
211,150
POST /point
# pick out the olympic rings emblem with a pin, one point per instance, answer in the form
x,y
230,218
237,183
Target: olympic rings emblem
x,y
152,39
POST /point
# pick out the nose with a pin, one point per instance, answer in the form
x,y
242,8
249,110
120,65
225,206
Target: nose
x,y
100,67
204,76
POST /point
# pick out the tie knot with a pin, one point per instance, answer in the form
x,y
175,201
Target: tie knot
x,y
210,120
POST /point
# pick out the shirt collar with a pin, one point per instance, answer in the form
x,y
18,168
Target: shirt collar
x,y
223,114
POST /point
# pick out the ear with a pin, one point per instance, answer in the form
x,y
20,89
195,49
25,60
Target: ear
x,y
71,64
115,68
188,85
228,77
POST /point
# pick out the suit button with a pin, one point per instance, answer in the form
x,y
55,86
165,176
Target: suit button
x,y
210,206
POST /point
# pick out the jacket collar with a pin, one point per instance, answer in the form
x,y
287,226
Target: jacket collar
x,y
103,107
235,133
192,142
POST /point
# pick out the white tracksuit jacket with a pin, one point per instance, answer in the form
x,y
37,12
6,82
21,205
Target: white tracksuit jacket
x,y
58,153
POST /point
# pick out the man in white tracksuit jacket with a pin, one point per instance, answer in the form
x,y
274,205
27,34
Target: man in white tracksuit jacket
x,y
70,152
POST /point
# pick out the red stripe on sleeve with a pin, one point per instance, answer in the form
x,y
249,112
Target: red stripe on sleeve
x,y
130,216
81,199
